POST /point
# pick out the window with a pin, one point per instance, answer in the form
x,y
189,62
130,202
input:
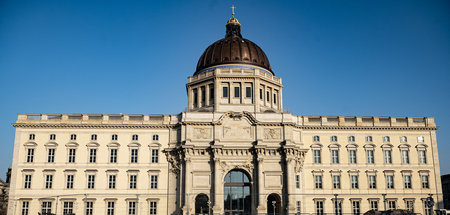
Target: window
x,y
112,181
351,139
392,204
211,94
133,181
134,137
153,207
318,181
261,94
93,137
405,156
114,137
334,156
154,182
91,182
72,153
403,139
390,182
203,92
337,207
131,208
336,181
67,208
386,139
372,182
334,139
297,181
236,92
73,137
422,157
420,139
428,210
155,137
373,204
134,156
354,181
248,92
225,92
155,153
110,208
92,155
356,207
46,207
387,156
32,136
369,139
89,208
195,91
298,206
425,182
30,155
370,156
316,138
268,96
48,181
27,182
274,98
113,155
352,156
409,205
69,181
51,155
407,181
317,156
319,208
25,206
52,136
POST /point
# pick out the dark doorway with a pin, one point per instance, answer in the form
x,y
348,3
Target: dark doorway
x,y
273,204
237,197
201,204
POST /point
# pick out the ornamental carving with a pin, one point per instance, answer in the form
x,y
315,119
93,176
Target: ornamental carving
x,y
226,166
202,133
272,133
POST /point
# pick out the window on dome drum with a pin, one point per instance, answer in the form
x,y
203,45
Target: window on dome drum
x,y
351,139
131,208
211,94
390,182
93,137
134,137
261,95
92,155
354,182
46,207
268,96
369,139
274,98
203,89
372,182
89,208
155,137
195,93
69,181
319,208
113,155
248,92
370,156
316,138
48,181
30,155
32,136
336,182
27,182
225,92
237,92
73,137
407,181
386,139
114,137
334,139
112,181
71,157
52,136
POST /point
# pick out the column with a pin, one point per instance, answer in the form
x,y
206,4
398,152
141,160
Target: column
x,y
218,188
290,162
261,195
187,207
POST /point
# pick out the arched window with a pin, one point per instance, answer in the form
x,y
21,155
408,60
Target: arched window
x,y
237,197
201,204
316,139
369,139
52,136
386,139
135,137
114,137
155,137
333,138
73,137
32,136
93,137
351,139
403,139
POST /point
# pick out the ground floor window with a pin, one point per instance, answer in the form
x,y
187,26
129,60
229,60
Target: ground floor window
x,y
46,207
153,206
67,208
110,208
319,207
25,206
89,208
356,207
373,205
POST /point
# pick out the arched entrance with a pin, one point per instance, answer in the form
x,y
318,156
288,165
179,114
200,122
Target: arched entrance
x,y
201,204
237,197
273,204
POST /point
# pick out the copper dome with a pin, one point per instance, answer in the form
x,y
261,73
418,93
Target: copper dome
x,y
233,49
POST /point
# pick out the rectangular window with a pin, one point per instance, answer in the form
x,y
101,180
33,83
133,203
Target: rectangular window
x,y
337,207
422,157
73,137
261,95
94,137
154,182
317,156
268,96
25,206
318,181
334,156
89,208
370,157
153,207
407,181
336,181
392,205
133,181
30,155
356,208
27,182
134,156
46,207
91,182
113,155
67,208
405,156
410,205
110,208
51,155
225,92
48,181
237,92
425,182
248,92
203,89
72,153
374,205
274,98
211,94
131,208
155,153
352,156
387,156
297,181
428,210
112,181
92,155
52,136
354,181
69,181
319,208
390,181
195,98
299,206
372,182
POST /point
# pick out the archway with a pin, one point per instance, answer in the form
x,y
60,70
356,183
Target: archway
x,y
273,204
201,204
237,193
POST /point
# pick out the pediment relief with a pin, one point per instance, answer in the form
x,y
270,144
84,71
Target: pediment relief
x,y
236,126
202,133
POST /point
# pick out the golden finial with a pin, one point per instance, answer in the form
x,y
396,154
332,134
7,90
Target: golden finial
x,y
232,10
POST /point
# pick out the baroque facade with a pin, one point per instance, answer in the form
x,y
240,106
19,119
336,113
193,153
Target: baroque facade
x,y
234,151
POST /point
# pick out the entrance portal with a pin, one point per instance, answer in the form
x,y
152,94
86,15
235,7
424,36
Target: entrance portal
x,y
237,198
201,204
273,204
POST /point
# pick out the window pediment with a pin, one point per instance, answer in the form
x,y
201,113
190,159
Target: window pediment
x,y
51,144
93,144
113,144
30,144
72,144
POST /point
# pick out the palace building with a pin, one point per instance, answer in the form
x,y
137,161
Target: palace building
x,y
233,151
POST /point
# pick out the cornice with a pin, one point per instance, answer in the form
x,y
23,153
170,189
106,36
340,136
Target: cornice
x,y
18,125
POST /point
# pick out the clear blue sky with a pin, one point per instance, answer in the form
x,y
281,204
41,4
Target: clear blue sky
x,y
356,58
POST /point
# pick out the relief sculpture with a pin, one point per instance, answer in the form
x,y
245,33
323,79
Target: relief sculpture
x,y
272,133
202,133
